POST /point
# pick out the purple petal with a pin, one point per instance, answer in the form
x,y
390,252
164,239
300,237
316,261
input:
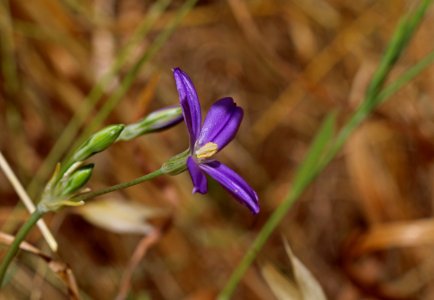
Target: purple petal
x,y
221,123
233,183
197,177
189,103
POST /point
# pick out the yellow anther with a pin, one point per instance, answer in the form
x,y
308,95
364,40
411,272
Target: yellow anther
x,y
207,150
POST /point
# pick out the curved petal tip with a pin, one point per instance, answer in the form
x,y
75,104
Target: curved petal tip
x,y
233,183
221,123
189,103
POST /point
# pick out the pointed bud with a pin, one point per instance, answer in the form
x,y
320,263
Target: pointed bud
x,y
155,121
77,180
98,142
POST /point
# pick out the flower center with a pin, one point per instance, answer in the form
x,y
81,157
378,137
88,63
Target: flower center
x,y
206,151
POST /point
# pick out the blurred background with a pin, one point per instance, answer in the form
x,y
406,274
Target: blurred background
x,y
364,228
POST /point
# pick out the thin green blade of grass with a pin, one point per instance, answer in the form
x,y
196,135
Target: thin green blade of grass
x,y
405,30
302,178
411,73
382,96
399,41
316,151
71,130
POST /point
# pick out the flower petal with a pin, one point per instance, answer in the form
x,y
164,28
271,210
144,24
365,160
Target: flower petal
x,y
189,103
233,183
221,123
197,177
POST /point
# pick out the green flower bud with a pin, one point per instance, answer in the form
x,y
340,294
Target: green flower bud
x,y
155,121
76,180
176,164
60,192
98,142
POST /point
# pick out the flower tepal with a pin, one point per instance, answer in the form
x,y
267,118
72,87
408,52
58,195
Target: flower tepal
x,y
219,128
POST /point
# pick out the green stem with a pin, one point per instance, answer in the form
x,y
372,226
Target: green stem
x,y
13,249
259,242
403,79
120,186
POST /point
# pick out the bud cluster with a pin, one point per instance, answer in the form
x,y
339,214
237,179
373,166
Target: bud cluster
x,y
71,176
69,179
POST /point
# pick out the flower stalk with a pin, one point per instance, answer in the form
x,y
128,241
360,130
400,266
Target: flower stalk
x,y
89,195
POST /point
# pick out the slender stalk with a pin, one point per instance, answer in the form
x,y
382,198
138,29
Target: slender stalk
x,y
407,76
120,186
13,249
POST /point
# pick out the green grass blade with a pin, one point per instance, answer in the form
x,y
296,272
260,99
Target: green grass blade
x,y
302,178
406,77
316,151
399,41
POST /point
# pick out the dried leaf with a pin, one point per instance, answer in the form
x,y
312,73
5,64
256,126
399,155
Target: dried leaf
x,y
7,239
281,286
396,234
379,165
309,286
119,216
299,284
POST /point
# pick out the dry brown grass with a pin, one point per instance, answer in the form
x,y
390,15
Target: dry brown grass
x,y
364,228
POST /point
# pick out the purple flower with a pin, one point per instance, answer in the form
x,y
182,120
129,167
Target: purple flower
x,y
219,128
